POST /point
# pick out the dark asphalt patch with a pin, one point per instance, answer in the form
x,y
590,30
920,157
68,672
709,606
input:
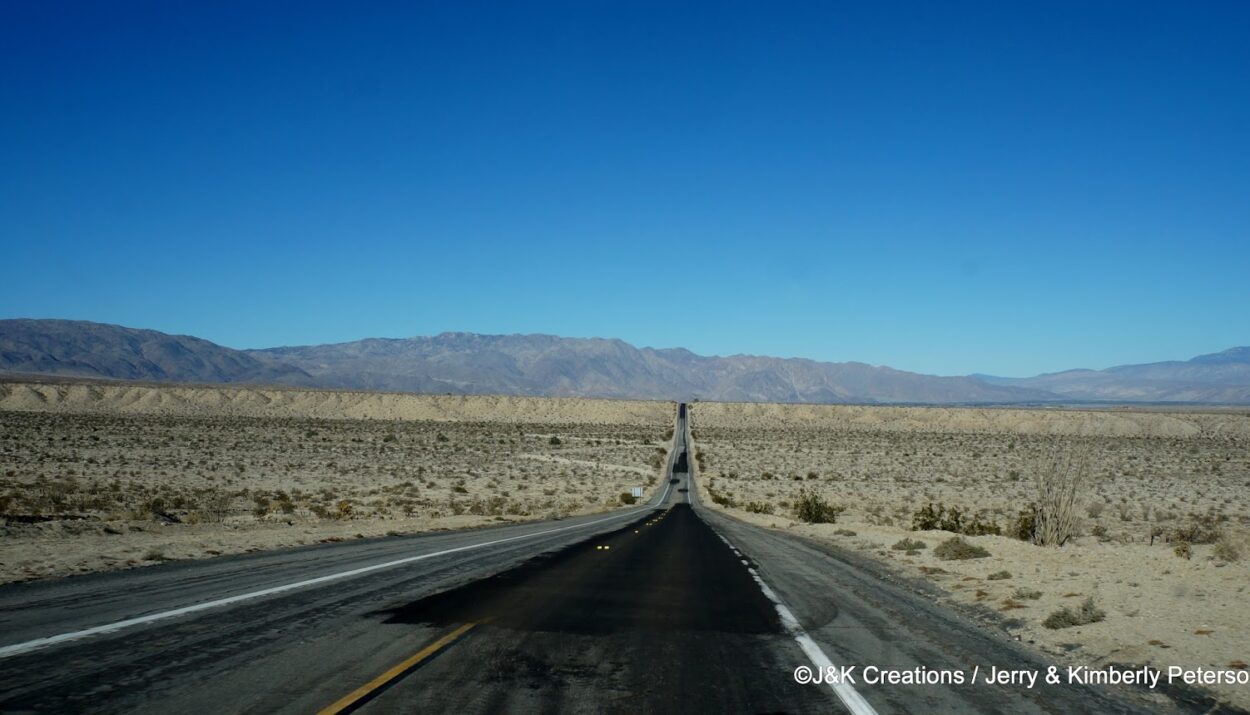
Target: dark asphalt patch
x,y
672,575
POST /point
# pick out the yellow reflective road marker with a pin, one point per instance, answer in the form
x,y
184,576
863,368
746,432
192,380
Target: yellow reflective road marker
x,y
357,696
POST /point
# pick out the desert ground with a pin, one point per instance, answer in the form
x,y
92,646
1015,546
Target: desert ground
x,y
1162,538
97,477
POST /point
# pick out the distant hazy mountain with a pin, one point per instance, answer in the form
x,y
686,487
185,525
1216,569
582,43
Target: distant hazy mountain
x,y
1219,377
549,365
466,363
82,349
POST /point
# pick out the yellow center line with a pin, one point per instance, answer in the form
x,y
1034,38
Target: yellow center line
x,y
349,701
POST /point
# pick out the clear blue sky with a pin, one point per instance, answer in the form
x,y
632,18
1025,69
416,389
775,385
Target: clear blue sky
x,y
1002,187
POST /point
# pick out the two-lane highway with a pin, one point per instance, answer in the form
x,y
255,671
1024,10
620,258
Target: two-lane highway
x,y
660,608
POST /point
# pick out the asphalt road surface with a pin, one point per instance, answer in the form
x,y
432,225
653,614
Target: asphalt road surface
x,y
664,607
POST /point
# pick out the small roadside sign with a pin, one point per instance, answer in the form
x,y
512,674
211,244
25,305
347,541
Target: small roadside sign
x,y
636,491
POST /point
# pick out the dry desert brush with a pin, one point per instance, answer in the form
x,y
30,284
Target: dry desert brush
x,y
956,549
813,508
1060,483
1067,617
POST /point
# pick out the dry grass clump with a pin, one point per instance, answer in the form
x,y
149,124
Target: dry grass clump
x,y
1226,551
911,546
1067,617
956,549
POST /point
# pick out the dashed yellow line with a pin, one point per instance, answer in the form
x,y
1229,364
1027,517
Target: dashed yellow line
x,y
355,698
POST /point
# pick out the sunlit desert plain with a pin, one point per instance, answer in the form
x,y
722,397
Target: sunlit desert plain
x,y
96,477
1161,533
1154,570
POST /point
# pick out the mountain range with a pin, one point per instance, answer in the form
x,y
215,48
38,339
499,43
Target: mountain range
x,y
467,363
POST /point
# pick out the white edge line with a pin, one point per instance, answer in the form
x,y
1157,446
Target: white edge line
x,y
849,696
19,648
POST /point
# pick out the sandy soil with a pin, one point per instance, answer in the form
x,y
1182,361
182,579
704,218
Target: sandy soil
x,y
98,477
1151,475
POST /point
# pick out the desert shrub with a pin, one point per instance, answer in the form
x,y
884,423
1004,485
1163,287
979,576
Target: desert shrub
x,y
554,441
491,506
389,437
1026,594
956,549
1025,525
155,554
262,505
1060,482
909,545
812,508
844,532
1066,617
999,576
213,505
981,527
343,510
758,507
1199,529
952,519
1226,550
627,498
1184,550
928,518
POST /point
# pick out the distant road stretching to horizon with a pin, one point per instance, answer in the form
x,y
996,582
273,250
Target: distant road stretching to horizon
x,y
663,607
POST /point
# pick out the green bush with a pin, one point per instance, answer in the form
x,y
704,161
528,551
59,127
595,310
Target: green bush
x,y
627,498
956,549
1066,617
812,508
